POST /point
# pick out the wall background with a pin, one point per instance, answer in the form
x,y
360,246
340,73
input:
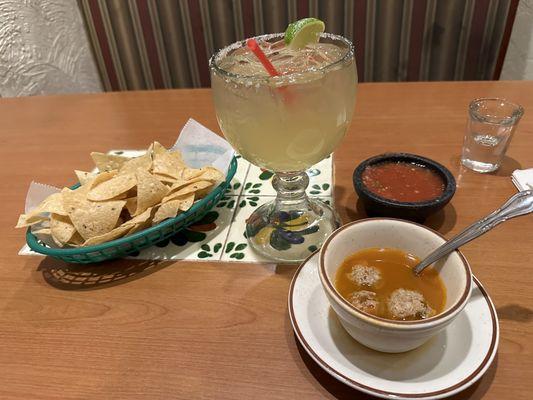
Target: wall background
x,y
518,62
44,49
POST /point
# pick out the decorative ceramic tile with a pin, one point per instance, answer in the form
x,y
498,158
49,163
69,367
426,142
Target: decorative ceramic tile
x,y
203,240
237,183
220,235
259,181
237,248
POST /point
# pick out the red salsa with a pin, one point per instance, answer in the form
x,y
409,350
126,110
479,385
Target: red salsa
x,y
401,181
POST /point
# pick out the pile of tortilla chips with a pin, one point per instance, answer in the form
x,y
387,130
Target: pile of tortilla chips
x,y
124,197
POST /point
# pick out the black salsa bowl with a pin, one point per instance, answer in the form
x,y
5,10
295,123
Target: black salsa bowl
x,y
377,206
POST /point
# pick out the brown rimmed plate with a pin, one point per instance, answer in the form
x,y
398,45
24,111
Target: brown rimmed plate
x,y
447,364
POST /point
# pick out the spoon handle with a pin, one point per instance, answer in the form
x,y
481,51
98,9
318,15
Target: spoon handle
x,y
520,204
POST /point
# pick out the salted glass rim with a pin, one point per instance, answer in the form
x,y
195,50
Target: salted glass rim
x,y
217,56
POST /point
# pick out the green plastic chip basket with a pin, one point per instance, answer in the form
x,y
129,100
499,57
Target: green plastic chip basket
x,y
140,240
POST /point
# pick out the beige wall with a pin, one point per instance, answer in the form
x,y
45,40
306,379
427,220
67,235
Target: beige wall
x,y
44,49
518,62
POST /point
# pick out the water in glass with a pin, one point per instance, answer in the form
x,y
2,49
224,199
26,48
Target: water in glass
x,y
489,131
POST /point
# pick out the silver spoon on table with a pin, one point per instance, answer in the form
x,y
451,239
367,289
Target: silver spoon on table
x,y
520,204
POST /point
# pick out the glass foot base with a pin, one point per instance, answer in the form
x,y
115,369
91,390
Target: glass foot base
x,y
479,166
290,235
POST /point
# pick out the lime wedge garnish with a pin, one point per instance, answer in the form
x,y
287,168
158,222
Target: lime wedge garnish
x,y
303,32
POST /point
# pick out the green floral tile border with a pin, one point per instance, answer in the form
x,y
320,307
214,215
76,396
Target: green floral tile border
x,y
220,234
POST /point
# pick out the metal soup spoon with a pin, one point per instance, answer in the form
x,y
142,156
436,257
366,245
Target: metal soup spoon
x,y
520,204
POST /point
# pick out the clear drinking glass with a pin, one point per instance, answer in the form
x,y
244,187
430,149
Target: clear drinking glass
x,y
490,128
286,124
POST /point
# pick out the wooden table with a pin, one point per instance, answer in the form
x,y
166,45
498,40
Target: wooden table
x,y
213,330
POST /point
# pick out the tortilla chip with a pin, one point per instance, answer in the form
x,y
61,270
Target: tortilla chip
x,y
62,229
166,210
169,164
108,236
172,208
168,180
190,173
180,183
98,179
108,162
131,205
112,188
139,222
164,165
25,220
149,191
143,162
177,155
122,196
42,231
156,148
142,217
211,174
91,218
195,187
52,204
153,187
83,176
137,228
186,202
76,240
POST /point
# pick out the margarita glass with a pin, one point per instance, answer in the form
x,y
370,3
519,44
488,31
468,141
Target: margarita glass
x,y
286,124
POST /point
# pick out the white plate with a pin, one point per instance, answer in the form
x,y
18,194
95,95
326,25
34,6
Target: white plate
x,y
445,365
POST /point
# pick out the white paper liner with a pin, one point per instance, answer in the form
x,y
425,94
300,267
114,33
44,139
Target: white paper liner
x,y
37,192
200,147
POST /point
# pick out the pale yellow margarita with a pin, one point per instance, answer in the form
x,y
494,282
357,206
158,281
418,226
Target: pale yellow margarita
x,y
292,121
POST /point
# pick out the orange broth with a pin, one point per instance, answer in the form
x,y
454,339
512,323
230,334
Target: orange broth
x,y
395,269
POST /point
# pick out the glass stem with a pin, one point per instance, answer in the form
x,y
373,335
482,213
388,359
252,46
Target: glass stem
x,y
290,188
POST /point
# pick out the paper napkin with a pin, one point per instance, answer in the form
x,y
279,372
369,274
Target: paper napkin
x,y
523,179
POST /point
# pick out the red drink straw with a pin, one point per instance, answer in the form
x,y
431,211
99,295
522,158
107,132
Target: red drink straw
x,y
254,47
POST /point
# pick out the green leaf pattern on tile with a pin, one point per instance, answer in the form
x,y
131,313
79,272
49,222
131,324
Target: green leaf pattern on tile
x,y
227,201
233,187
254,188
266,175
235,250
249,200
317,189
208,252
